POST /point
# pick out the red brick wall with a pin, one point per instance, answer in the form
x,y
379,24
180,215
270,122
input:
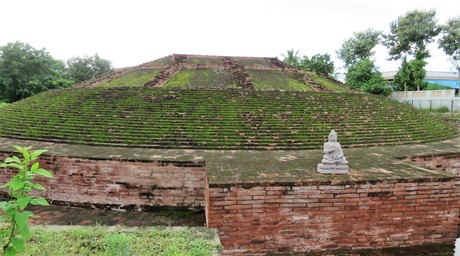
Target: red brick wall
x,y
450,163
120,184
306,218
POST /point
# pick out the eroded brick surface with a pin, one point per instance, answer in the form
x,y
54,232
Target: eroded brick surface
x,y
119,184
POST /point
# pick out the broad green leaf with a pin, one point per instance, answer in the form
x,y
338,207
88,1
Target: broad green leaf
x,y
13,165
24,231
18,243
10,251
14,159
6,185
23,202
34,167
9,210
21,218
17,184
39,201
18,148
38,186
44,173
26,155
36,153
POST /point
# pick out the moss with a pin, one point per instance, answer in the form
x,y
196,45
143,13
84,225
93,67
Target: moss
x,y
204,60
329,83
134,78
269,79
202,78
216,119
252,62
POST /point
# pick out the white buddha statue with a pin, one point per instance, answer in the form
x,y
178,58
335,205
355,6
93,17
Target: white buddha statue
x,y
333,151
333,160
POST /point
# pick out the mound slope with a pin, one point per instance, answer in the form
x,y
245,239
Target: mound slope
x,y
216,119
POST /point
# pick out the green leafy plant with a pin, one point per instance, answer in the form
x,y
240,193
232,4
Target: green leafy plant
x,y
118,245
14,229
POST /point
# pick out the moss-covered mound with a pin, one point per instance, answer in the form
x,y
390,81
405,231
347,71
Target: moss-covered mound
x,y
202,78
216,119
136,78
273,79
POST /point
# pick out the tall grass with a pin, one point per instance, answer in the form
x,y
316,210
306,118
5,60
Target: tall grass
x,y
99,241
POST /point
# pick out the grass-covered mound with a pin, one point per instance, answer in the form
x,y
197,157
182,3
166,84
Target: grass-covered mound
x,y
331,85
202,78
273,79
216,119
135,78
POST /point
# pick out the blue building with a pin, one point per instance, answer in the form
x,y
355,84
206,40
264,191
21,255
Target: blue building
x,y
450,78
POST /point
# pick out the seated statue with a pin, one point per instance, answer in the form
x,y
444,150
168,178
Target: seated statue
x,y
333,160
333,151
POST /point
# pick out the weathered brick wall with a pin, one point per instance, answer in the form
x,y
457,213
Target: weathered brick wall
x,y
307,218
120,184
449,163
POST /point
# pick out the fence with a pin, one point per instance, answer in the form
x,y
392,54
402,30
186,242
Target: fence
x,y
429,99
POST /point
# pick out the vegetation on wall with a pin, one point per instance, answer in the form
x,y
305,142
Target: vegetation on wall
x,y
216,119
202,78
134,78
270,79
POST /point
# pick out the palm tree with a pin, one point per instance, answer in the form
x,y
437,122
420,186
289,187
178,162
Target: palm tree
x,y
291,58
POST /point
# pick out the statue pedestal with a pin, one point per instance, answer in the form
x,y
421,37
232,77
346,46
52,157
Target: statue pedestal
x,y
333,168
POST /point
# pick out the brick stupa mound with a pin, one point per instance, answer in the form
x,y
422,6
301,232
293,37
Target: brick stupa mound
x,y
209,102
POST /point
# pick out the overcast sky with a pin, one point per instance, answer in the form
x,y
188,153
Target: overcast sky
x,y
132,32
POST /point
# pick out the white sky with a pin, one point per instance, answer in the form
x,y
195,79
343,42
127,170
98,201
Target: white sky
x,y
132,32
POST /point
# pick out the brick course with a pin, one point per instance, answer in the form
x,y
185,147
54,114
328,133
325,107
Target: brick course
x,y
119,184
327,217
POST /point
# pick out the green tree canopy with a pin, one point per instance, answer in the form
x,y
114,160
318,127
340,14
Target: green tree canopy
x,y
450,40
410,34
364,76
319,63
359,47
25,71
86,67
410,75
292,58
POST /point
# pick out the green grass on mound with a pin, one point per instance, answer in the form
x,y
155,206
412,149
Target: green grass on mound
x,y
202,78
270,79
134,78
216,119
329,83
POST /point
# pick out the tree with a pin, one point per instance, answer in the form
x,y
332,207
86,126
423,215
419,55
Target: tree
x,y
364,76
25,71
81,69
410,34
410,75
359,47
291,58
450,41
319,63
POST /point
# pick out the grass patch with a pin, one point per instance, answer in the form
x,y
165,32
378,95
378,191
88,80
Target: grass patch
x,y
99,241
135,78
202,78
269,79
329,83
